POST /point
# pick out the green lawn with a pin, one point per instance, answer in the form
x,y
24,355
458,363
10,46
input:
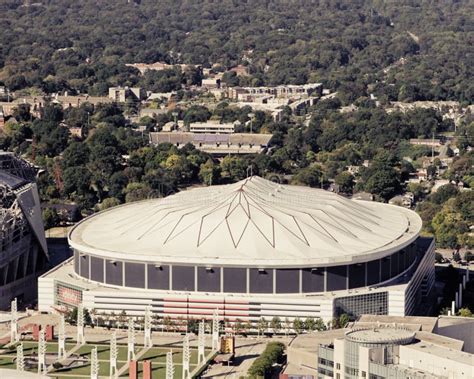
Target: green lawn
x,y
7,362
159,355
156,354
86,370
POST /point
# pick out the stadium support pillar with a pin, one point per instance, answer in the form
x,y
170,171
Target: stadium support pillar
x,y
147,370
201,343
94,364
169,365
453,307
133,370
36,332
148,342
20,358
113,355
186,357
62,339
464,282
131,340
42,353
14,336
460,295
49,333
80,325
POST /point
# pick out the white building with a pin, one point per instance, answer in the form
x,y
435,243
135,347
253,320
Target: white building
x,y
212,127
252,249
379,347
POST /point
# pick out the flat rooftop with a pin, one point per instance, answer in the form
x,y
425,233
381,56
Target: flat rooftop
x,y
427,324
443,352
310,342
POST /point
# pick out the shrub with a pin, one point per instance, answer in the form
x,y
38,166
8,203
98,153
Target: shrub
x,y
272,354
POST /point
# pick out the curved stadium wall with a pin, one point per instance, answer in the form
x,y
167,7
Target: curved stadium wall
x,y
228,279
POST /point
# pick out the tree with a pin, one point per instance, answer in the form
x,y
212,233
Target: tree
x,y
239,326
76,154
345,181
109,202
193,326
50,218
123,318
209,172
76,180
262,326
275,324
468,256
168,323
309,176
233,168
465,312
22,112
342,320
383,182
444,193
298,325
136,191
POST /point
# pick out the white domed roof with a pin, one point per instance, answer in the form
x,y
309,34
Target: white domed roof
x,y
254,222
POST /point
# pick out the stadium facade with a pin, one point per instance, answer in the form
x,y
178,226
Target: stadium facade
x,y
23,250
251,249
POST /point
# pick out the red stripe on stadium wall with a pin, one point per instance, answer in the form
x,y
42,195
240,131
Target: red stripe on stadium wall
x,y
193,300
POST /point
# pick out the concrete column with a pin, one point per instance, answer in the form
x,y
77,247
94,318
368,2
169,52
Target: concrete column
x,y
464,282
147,370
133,370
453,307
460,295
456,300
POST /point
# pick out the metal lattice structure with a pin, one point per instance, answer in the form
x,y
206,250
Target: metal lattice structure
x,y
201,342
113,354
23,244
215,330
80,325
131,340
14,337
186,357
16,166
94,364
169,365
42,353
62,338
147,326
20,358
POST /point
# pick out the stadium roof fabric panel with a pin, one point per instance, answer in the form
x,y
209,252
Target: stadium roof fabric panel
x,y
254,222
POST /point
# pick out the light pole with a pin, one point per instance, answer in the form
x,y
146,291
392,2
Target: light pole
x,y
251,115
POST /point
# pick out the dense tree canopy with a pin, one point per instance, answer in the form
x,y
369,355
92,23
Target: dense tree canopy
x,y
405,50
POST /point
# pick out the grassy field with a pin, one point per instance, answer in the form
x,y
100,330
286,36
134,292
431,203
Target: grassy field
x,y
157,355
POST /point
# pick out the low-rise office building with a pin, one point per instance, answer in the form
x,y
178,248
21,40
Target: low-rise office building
x,y
380,347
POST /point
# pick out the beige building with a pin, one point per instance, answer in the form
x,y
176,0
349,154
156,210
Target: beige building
x,y
379,347
212,127
282,91
216,144
121,94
